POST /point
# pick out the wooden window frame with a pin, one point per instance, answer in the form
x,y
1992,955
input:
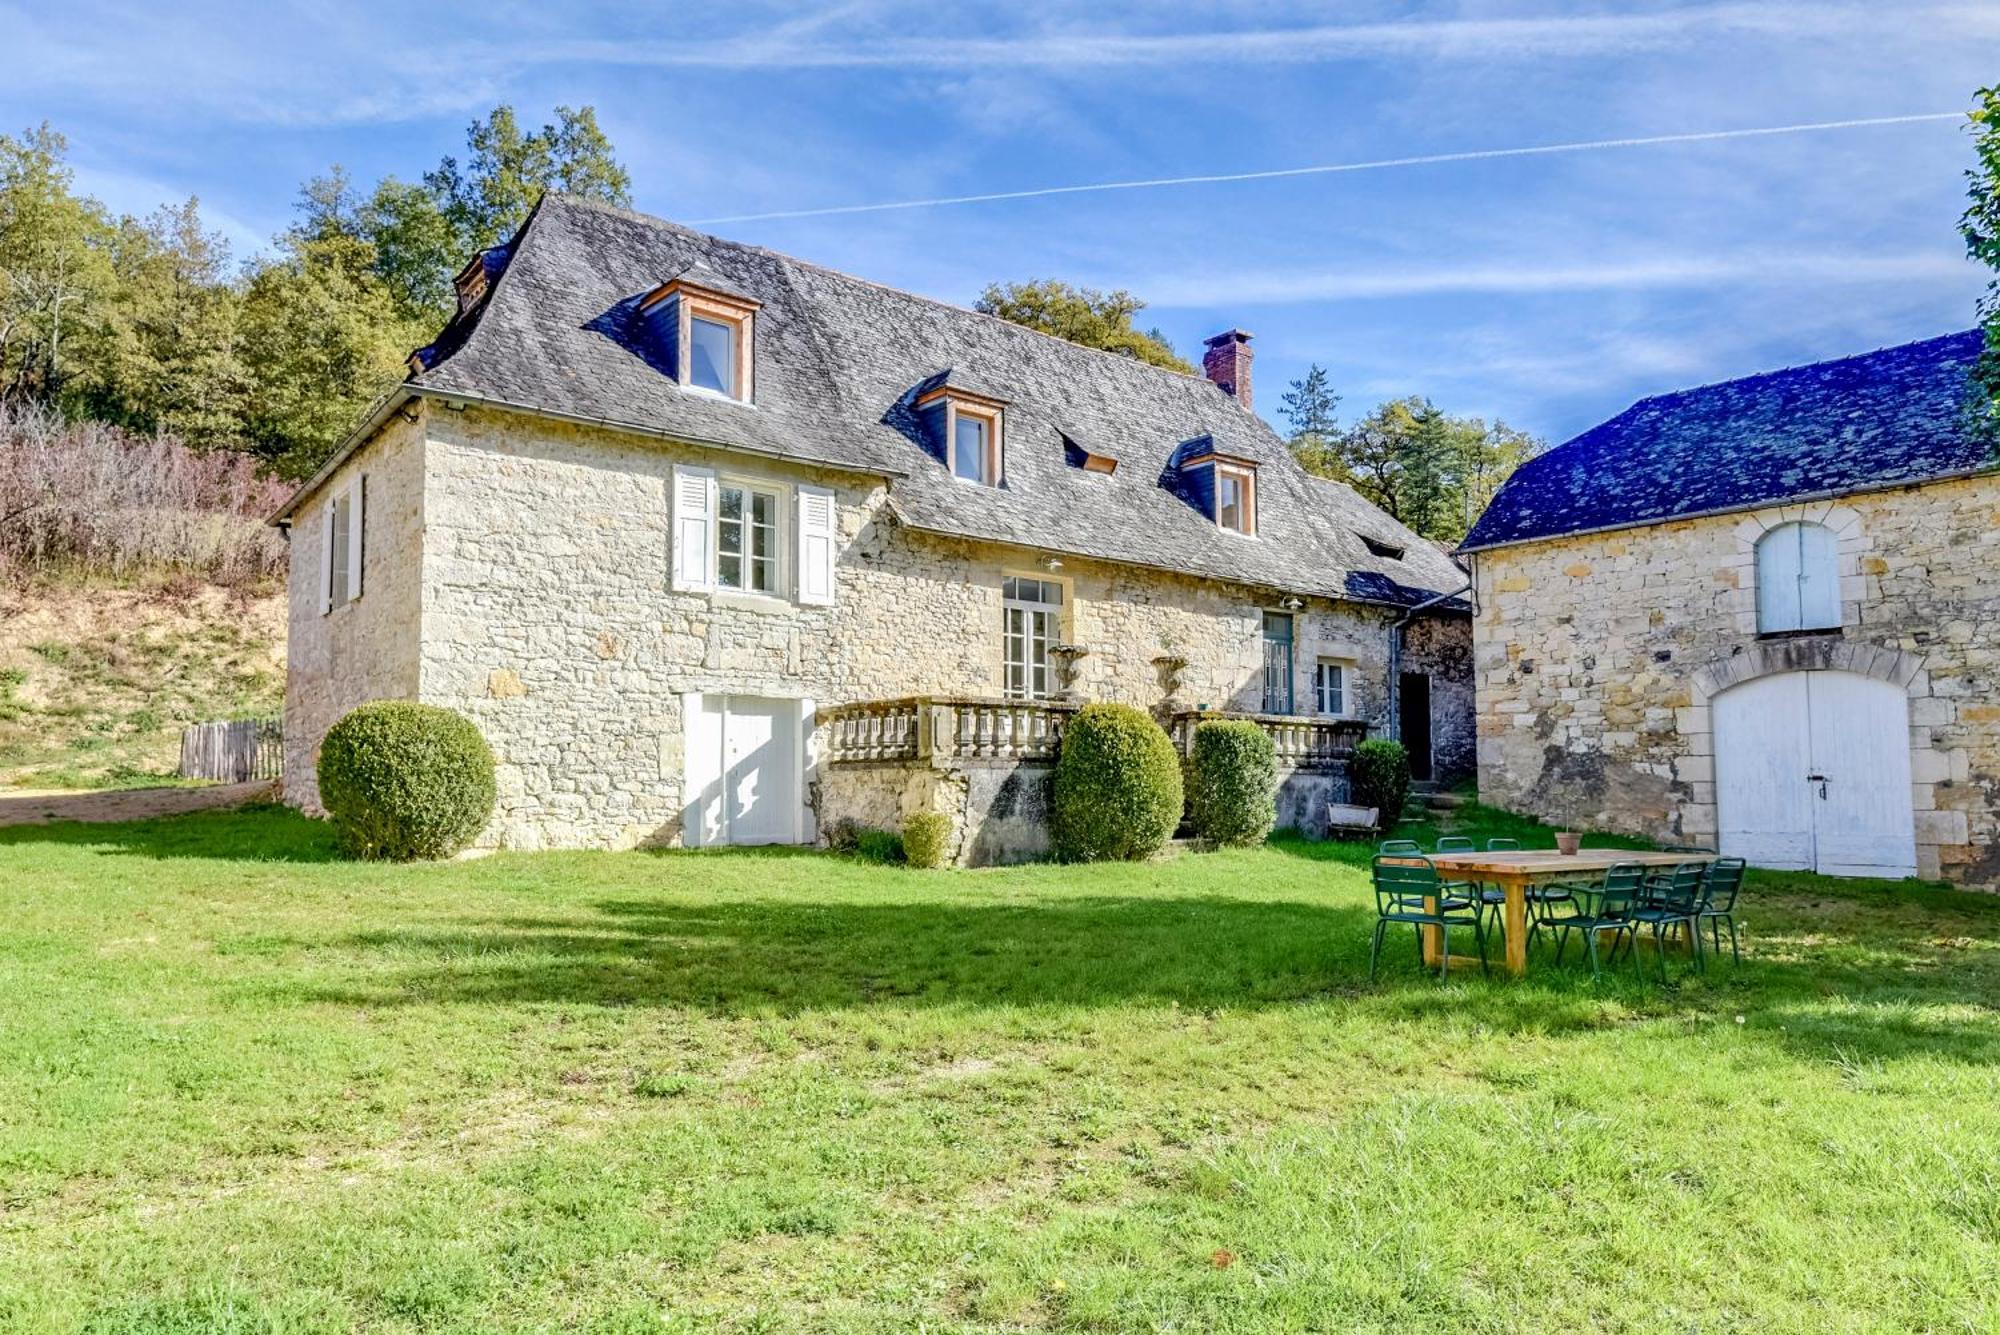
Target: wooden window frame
x,y
1248,478
739,313
1346,670
958,403
781,516
1058,632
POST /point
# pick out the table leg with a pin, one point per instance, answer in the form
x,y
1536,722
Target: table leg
x,y
1433,938
1517,925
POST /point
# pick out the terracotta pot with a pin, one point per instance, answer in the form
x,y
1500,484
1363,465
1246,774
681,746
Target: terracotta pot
x,y
1568,843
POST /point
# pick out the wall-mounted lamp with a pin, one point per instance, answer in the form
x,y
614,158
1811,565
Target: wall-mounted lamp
x,y
1292,604
1052,563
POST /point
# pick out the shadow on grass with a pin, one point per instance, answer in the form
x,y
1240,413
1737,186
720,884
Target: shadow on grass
x,y
259,832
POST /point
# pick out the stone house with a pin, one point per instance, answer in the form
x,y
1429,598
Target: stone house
x,y
1761,616
718,546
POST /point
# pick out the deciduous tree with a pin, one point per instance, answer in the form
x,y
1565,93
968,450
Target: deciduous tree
x,y
1082,315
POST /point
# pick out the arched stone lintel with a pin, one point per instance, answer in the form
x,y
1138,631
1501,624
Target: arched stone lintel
x,y
1817,653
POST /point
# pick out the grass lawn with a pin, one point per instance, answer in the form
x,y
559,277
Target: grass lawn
x,y
244,1087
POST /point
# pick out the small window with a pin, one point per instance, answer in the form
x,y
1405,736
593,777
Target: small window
x,y
1798,579
1236,500
343,548
1388,550
1330,688
1031,612
968,448
712,355
746,546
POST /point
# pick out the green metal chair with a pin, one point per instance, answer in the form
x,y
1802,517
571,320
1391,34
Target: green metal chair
x,y
1666,901
1400,846
1468,892
1604,907
1406,887
1718,903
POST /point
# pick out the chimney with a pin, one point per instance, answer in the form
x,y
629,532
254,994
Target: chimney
x,y
1227,363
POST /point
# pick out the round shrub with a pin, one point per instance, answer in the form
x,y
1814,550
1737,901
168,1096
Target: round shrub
x,y
404,781
1117,785
1232,782
924,836
1378,775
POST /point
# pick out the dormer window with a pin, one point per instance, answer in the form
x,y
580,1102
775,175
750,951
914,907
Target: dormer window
x,y
964,429
1236,499
1388,551
705,331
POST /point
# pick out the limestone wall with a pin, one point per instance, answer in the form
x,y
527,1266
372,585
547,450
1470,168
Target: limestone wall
x,y
365,650
1596,657
546,615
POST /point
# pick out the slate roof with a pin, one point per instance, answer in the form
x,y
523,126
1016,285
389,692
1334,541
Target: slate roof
x,y
839,363
1886,418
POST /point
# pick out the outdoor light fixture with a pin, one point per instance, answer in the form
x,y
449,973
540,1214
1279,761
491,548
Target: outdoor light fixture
x,y
1292,604
1052,563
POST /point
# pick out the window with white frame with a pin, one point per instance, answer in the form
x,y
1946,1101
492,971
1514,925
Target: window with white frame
x,y
730,534
1032,621
712,354
1330,687
746,538
343,546
1798,579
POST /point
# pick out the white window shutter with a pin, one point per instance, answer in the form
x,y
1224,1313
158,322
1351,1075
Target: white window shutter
x,y
1778,580
1819,577
818,517
356,525
332,513
694,529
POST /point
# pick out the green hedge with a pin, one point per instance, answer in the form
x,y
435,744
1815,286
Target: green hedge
x,y
403,781
924,836
1378,776
1117,785
1232,782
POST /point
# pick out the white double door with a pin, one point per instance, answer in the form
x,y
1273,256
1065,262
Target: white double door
x,y
1812,773
744,769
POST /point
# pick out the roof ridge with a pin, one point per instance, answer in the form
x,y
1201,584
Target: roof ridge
x,y
635,215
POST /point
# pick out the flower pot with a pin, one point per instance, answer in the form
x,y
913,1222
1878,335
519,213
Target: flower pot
x,y
1568,843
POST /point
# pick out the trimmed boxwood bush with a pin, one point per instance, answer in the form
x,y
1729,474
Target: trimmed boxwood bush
x,y
1378,775
404,781
1117,785
924,836
1232,782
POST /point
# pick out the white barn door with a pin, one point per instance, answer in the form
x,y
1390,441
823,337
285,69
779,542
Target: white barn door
x,y
1812,773
744,770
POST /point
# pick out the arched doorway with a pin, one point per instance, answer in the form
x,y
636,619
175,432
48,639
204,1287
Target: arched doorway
x,y
1812,772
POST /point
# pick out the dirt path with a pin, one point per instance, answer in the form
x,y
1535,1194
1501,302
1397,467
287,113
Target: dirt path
x,y
39,808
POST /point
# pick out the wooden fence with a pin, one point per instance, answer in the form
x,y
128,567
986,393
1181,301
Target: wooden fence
x,y
238,751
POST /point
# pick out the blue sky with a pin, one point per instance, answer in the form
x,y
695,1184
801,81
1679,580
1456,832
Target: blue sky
x,y
1549,291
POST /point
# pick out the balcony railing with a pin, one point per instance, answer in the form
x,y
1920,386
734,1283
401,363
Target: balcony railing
x,y
1302,742
942,729
937,729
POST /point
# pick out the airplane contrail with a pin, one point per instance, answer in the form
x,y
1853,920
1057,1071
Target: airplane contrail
x,y
1329,169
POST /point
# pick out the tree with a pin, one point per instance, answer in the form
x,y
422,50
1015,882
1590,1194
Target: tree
x,y
507,172
1430,471
322,338
1309,407
1981,227
1081,315
169,355
55,267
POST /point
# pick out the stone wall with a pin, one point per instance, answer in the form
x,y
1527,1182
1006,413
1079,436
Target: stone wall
x,y
1597,656
546,615
365,650
1442,647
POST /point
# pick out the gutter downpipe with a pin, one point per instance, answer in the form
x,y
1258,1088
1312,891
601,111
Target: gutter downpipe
x,y
1396,629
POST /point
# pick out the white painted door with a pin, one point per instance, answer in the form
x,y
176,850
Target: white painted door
x,y
1812,772
743,770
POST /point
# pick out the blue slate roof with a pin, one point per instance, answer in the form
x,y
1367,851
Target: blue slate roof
x,y
1900,415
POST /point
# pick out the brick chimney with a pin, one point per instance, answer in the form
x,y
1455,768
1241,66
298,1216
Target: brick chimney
x,y
1227,363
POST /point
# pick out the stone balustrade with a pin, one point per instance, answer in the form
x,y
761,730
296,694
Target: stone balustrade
x,y
1302,742
941,730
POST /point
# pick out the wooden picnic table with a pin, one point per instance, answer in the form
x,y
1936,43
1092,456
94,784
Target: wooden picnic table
x,y
1514,870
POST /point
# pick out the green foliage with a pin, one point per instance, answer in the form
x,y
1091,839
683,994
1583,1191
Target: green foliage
x,y
1117,785
55,269
1232,782
1378,775
924,836
404,781
1082,315
1980,225
883,846
1432,472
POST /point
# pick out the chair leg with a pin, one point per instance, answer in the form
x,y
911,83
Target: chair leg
x,y
1590,945
1660,947
1375,947
1700,951
1479,935
1444,953
1735,954
1562,942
